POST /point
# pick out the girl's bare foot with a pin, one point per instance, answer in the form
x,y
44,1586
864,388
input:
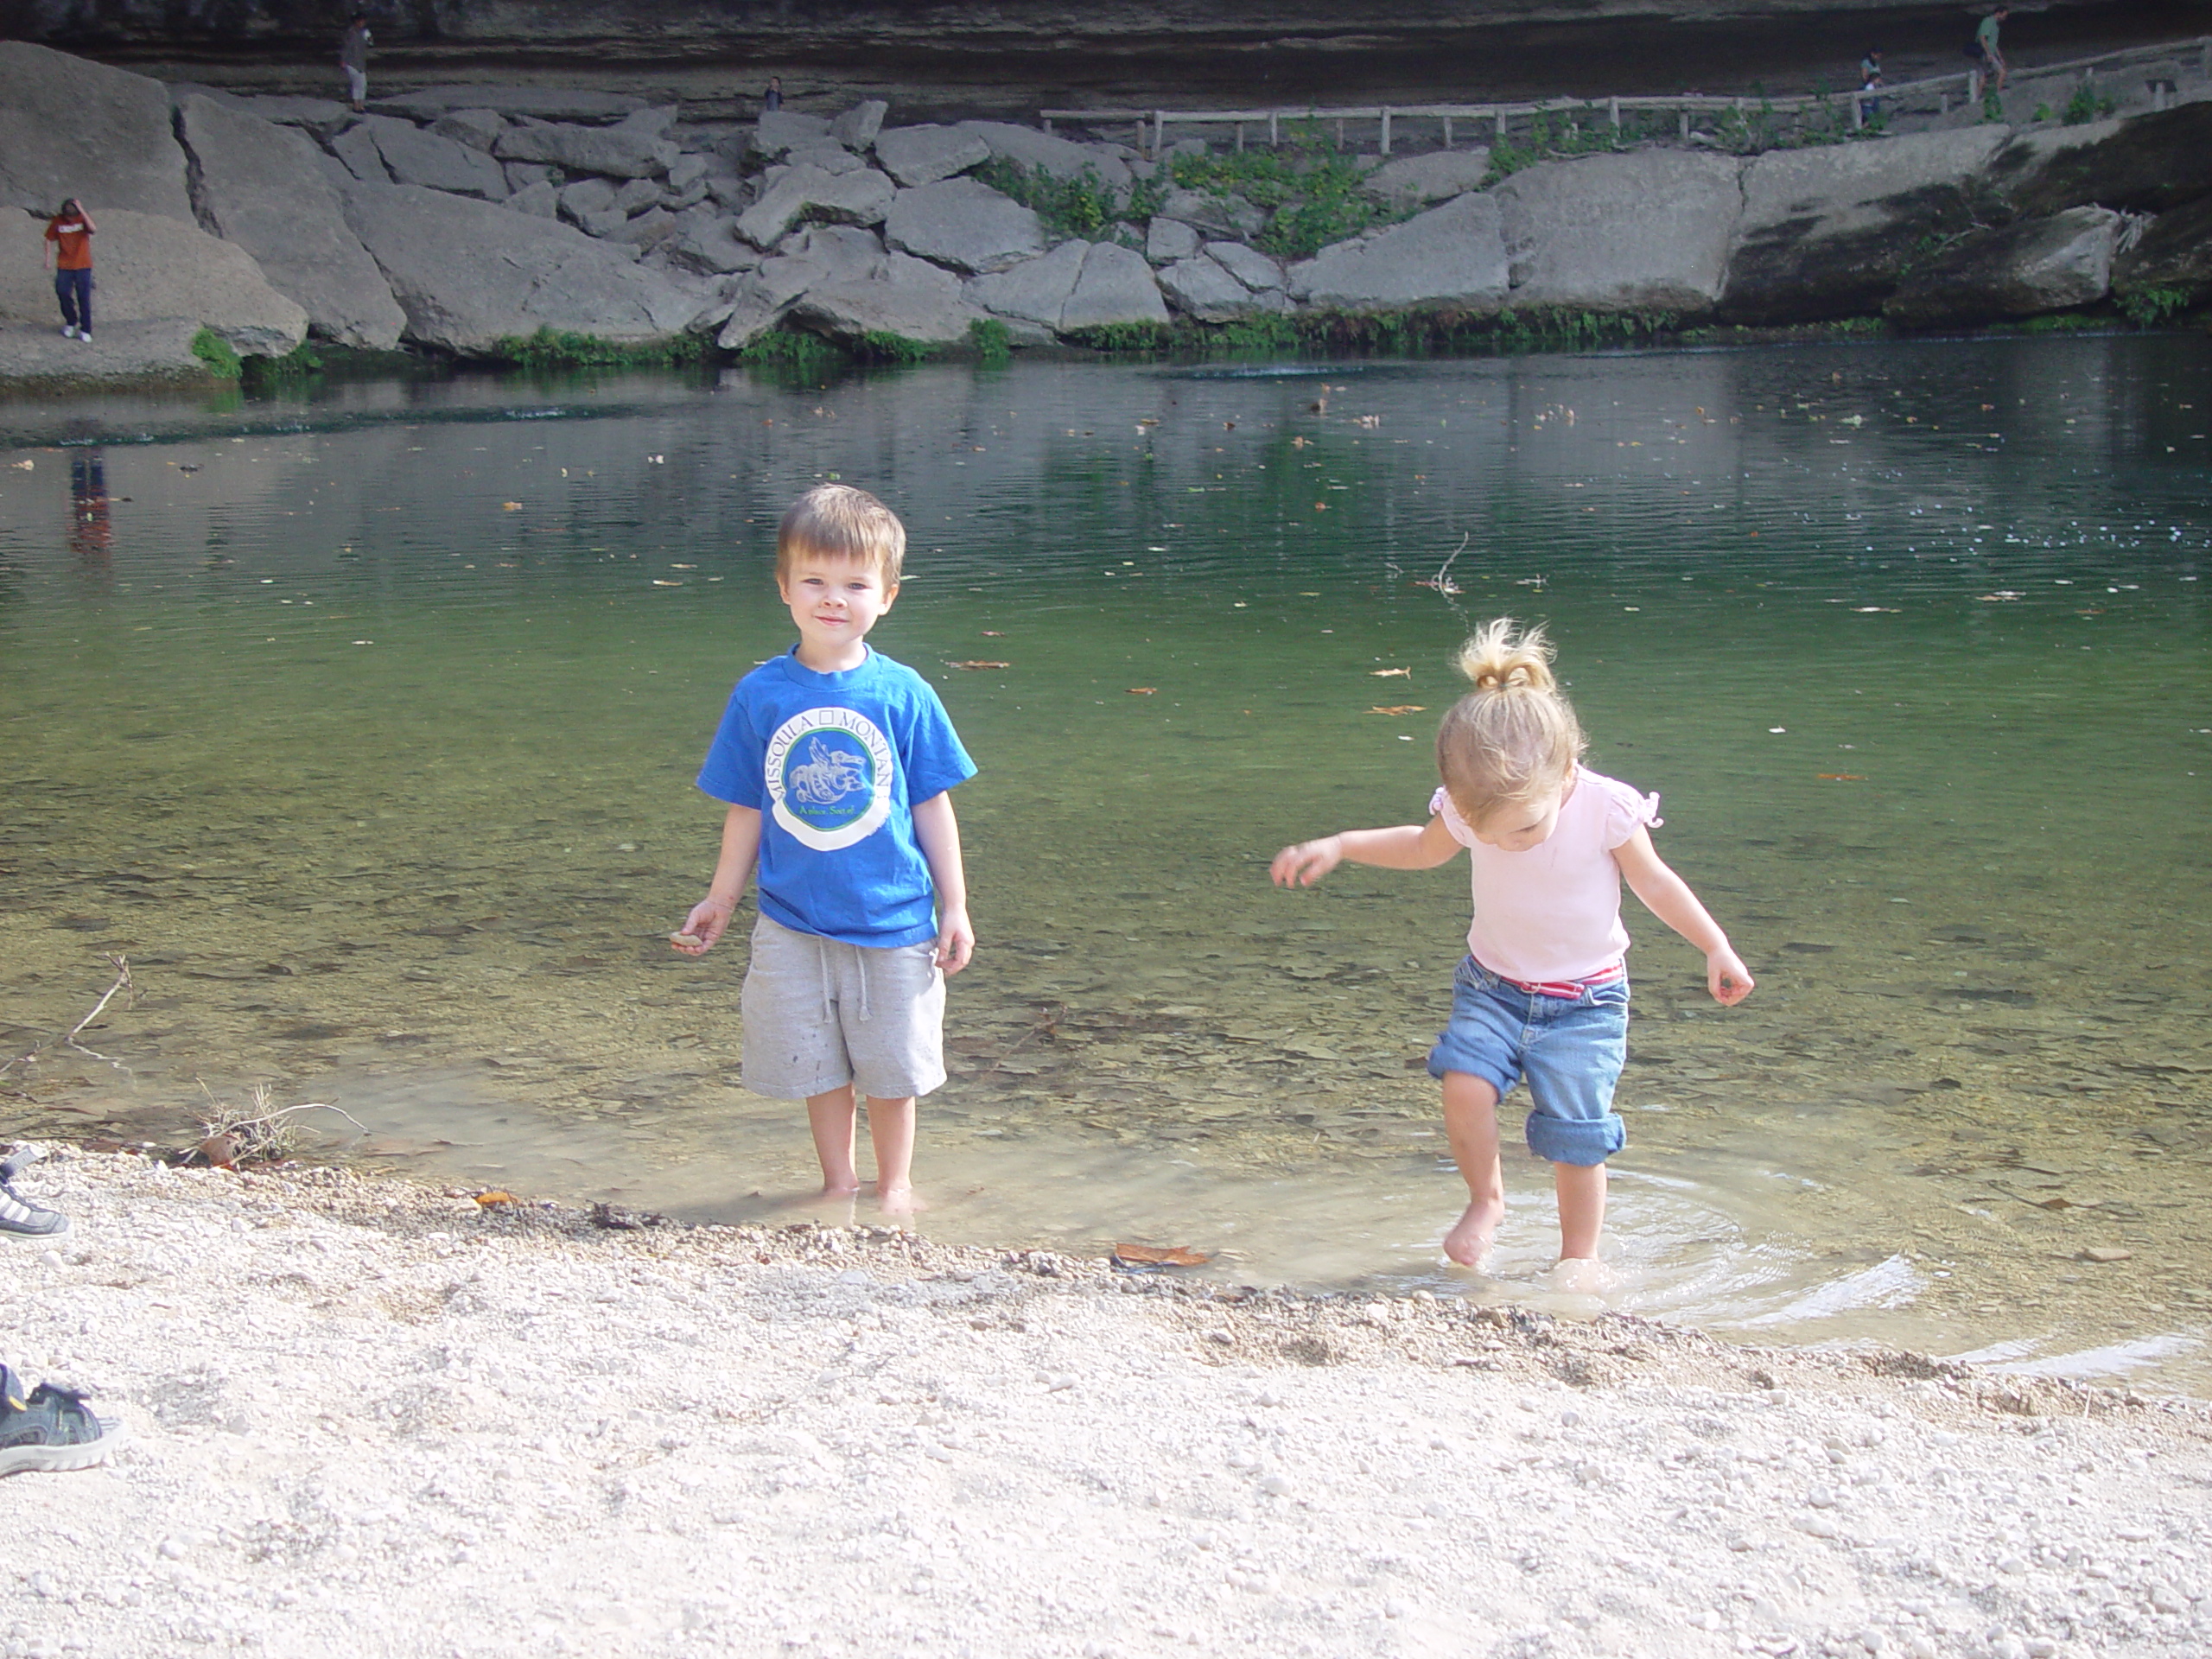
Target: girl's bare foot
x,y
1583,1275
1468,1242
839,1189
899,1201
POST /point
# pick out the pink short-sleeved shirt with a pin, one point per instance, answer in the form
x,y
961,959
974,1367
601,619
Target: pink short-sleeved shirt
x,y
1554,912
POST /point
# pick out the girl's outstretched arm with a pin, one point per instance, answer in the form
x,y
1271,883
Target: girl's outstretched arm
x,y
1402,847
1668,898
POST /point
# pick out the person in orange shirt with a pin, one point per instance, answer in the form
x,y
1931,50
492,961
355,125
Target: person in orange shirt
x,y
71,231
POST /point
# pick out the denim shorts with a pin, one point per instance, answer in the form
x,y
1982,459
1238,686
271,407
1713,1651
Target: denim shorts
x,y
1570,1054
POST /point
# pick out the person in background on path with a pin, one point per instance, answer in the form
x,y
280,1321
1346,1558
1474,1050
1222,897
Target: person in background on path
x,y
838,766
1985,40
1542,996
773,97
1870,80
353,59
70,231
44,1427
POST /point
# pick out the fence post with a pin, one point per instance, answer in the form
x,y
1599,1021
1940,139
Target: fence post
x,y
1386,129
1159,132
1858,113
1240,138
1616,113
1048,123
1274,136
1501,124
1683,121
1448,132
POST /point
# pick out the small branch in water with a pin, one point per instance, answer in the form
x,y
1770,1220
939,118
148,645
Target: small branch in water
x,y
227,1141
1442,580
68,1039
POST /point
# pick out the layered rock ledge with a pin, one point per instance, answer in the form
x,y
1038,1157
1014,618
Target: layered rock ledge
x,y
465,219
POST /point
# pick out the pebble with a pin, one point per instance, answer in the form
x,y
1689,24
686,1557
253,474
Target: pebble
x,y
172,1548
1275,1485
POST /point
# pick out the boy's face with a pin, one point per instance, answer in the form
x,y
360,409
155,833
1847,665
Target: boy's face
x,y
835,602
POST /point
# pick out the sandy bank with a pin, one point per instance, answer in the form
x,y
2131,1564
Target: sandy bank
x,y
370,1420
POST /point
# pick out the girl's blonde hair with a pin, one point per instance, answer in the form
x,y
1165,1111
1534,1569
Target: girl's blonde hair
x,y
1514,738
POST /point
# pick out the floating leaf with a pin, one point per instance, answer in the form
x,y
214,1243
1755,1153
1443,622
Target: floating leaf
x,y
1399,708
658,583
979,663
1142,691
1390,673
511,506
1842,777
1152,1255
1999,596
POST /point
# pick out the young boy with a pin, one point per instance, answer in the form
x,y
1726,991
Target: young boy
x,y
837,763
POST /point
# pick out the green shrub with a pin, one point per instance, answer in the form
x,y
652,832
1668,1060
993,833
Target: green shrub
x,y
552,348
1125,337
791,348
2043,113
2085,106
2146,308
988,339
879,346
298,364
215,351
1085,206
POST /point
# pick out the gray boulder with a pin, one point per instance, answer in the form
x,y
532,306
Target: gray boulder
x,y
923,155
2012,270
913,300
1248,265
2147,163
540,200
70,128
469,274
761,298
777,130
709,242
1230,216
2174,254
1452,255
435,162
1116,286
1825,233
262,187
586,197
357,147
1201,288
653,123
965,224
687,170
1036,290
543,103
151,267
647,230
1166,240
1049,153
830,156
843,253
522,175
606,151
478,129
324,117
861,198
856,129
1417,181
1648,231
636,195
606,223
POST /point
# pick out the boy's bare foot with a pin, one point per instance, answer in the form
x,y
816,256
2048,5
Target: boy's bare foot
x,y
839,1189
1468,1242
899,1201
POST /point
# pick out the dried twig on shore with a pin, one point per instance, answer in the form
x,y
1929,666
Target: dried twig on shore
x,y
68,1039
227,1140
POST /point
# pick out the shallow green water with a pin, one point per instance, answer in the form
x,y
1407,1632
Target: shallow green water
x,y
366,726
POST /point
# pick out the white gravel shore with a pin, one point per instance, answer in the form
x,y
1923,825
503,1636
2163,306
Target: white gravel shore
x,y
369,1418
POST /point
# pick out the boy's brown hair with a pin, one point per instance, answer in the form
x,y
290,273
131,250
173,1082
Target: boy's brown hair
x,y
839,521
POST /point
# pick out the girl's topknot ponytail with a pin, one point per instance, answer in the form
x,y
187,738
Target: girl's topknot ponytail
x,y
1498,659
1513,738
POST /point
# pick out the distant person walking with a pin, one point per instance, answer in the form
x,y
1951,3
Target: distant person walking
x,y
353,59
1870,80
773,97
1986,47
70,234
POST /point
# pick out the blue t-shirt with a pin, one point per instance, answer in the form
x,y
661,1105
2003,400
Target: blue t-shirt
x,y
834,764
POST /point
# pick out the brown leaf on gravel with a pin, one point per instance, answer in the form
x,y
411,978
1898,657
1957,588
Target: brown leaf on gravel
x,y
494,1198
220,1150
1154,1255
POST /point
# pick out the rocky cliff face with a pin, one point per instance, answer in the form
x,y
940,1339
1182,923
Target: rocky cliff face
x,y
1265,50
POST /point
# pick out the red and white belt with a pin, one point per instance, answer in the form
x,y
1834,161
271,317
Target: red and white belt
x,y
1568,990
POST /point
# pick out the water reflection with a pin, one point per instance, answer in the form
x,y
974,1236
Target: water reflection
x,y
373,750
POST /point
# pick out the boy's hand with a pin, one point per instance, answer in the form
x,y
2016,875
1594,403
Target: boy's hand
x,y
709,918
955,942
1308,862
1727,978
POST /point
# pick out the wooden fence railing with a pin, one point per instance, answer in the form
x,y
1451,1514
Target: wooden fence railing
x,y
1935,94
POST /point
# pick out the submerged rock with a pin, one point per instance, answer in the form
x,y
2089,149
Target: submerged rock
x,y
71,128
1648,231
262,188
2013,270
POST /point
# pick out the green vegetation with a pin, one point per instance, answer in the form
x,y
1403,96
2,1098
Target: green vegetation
x,y
988,339
2085,106
1310,190
215,351
303,361
552,348
1992,107
1388,334
1085,206
2147,308
880,346
2064,323
2043,113
792,349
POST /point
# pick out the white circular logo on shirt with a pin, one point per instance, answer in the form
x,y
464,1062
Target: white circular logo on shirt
x,y
828,773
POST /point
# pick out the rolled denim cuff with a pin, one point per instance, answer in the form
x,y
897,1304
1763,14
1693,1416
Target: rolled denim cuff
x,y
1582,1142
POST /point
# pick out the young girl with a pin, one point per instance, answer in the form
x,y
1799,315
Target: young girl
x,y
1543,994
71,231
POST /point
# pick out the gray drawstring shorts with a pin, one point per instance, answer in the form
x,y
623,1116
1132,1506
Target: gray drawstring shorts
x,y
820,1013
